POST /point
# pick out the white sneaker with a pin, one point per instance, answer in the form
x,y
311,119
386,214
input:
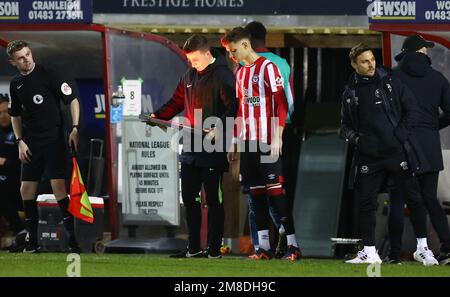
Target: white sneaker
x,y
425,256
364,258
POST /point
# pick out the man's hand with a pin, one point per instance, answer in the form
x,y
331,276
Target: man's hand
x,y
2,161
276,147
73,139
151,124
75,113
354,139
24,152
277,143
232,154
211,133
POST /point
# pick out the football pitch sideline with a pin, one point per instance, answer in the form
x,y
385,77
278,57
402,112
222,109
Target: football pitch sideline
x,y
158,265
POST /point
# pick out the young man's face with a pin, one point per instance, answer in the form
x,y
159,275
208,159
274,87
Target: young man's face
x,y
199,59
238,51
423,50
22,60
365,64
5,119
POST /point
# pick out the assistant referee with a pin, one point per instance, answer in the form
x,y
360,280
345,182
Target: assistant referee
x,y
36,93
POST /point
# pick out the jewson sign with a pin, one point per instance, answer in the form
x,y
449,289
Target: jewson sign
x,y
30,11
419,11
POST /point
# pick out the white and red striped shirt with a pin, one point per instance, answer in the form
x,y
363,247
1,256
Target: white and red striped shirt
x,y
262,101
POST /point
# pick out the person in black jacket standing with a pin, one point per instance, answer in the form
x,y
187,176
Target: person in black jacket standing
x,y
9,171
370,102
432,91
36,95
208,87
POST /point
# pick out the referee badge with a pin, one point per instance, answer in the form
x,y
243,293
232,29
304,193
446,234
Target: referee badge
x,y
38,99
66,89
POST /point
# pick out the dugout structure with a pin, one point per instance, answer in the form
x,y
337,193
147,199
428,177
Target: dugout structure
x,y
101,57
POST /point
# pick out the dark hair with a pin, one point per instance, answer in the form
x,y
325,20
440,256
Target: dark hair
x,y
236,34
358,50
196,43
257,31
15,46
4,98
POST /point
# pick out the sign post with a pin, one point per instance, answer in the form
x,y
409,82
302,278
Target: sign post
x,y
133,97
150,177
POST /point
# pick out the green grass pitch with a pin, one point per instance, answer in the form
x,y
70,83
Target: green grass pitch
x,y
157,265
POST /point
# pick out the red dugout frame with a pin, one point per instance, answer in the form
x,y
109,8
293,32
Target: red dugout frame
x,y
111,148
426,30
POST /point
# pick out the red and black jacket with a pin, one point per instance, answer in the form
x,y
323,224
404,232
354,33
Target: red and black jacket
x,y
211,90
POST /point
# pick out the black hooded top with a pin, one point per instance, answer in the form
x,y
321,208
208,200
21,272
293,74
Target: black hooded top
x,y
212,90
432,91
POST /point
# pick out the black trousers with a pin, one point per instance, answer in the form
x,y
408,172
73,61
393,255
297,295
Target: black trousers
x,y
372,175
192,179
289,160
428,186
10,204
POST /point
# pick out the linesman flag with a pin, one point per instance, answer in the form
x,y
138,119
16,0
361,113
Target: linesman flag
x,y
79,205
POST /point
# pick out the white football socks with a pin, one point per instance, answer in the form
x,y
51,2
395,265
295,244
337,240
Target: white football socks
x,y
263,238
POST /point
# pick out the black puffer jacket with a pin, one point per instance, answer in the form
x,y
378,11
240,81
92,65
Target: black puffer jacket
x,y
212,90
364,114
432,91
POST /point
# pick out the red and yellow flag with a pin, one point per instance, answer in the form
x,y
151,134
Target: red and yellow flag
x,y
79,205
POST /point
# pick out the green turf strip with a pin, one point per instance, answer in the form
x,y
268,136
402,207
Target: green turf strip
x,y
55,264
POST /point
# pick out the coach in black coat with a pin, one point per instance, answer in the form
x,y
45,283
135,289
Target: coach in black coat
x,y
432,91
